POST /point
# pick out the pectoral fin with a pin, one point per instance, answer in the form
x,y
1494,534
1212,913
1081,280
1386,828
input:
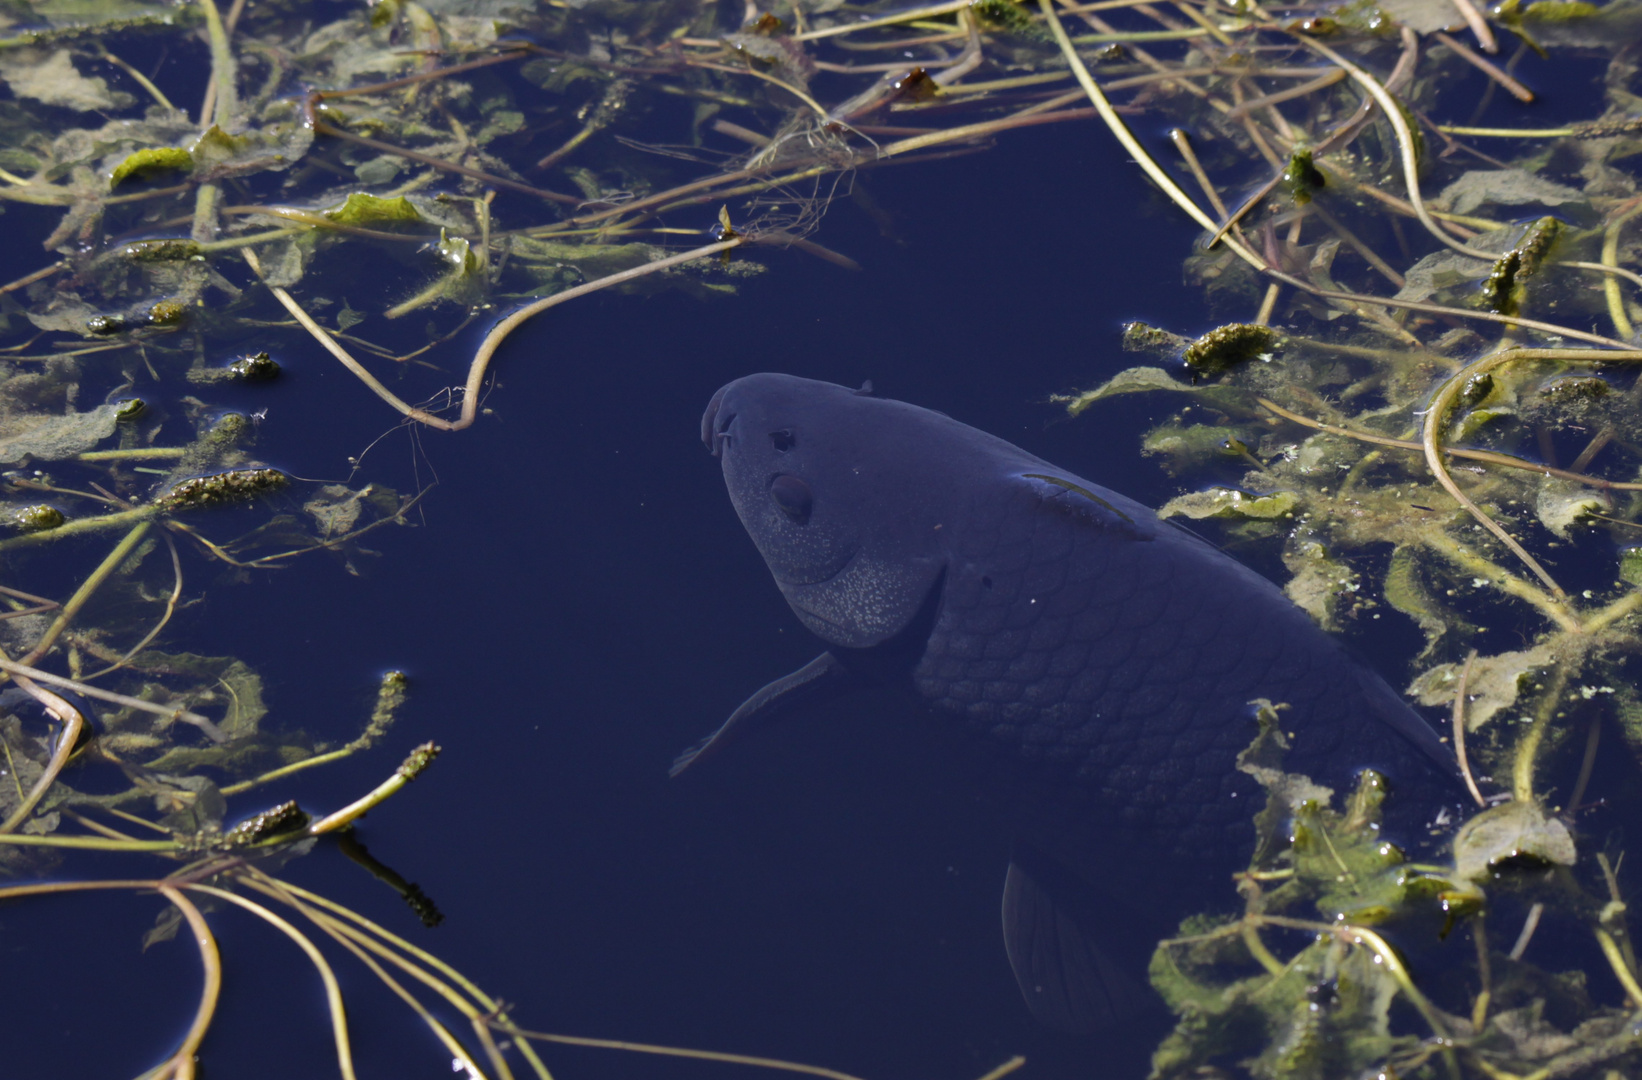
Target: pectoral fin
x,y
1050,925
817,680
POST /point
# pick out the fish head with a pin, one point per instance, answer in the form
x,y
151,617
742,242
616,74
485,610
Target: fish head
x,y
835,488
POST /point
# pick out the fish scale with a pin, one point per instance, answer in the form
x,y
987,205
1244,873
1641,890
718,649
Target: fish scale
x,y
1132,664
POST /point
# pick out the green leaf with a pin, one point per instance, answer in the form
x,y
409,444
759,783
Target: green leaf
x,y
1561,503
1322,585
1503,187
53,79
363,209
217,154
1421,16
1131,381
151,160
1494,685
53,438
1513,832
1219,502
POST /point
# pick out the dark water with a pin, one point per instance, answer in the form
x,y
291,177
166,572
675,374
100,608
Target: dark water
x,y
578,604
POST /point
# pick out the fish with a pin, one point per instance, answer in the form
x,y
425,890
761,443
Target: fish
x,y
1113,650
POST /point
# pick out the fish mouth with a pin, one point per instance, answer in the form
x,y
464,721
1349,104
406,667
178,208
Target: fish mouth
x,y
810,580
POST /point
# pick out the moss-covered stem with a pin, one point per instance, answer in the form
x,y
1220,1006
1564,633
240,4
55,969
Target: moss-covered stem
x,y
1485,972
87,589
1610,282
1525,758
419,759
81,527
225,105
1612,915
436,289
1387,956
205,214
1250,932
1625,605
1610,949
390,695
1442,544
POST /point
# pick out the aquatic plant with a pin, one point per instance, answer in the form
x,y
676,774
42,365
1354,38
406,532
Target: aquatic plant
x,y
1393,435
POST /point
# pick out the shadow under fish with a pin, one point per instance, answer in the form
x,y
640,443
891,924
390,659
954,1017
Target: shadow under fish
x,y
1117,653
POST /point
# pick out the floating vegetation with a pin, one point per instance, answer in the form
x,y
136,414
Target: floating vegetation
x,y
1427,408
1441,428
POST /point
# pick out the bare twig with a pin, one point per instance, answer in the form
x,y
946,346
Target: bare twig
x,y
1529,925
1479,26
73,724
1436,416
333,991
1459,729
1492,70
182,1062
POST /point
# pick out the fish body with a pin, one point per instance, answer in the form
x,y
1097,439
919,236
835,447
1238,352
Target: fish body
x,y
1059,618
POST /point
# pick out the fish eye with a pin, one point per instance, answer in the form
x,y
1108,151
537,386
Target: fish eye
x,y
792,496
782,441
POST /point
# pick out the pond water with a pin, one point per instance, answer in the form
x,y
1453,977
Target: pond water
x,y
577,602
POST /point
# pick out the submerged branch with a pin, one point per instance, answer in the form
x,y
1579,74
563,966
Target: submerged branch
x,y
204,724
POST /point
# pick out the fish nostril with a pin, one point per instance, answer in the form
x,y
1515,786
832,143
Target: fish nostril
x,y
792,497
782,441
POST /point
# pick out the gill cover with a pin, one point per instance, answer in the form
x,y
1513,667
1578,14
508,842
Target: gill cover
x,y
845,496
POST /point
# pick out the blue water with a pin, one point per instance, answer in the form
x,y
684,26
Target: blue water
x,y
577,604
